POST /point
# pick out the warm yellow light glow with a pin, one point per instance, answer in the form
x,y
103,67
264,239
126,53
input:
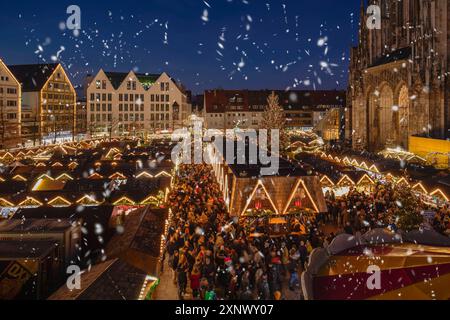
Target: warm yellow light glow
x,y
420,188
59,202
45,176
439,193
57,164
7,155
364,165
124,201
88,200
95,176
163,173
5,203
149,200
345,178
30,202
294,191
144,175
18,177
365,177
325,179
37,185
259,184
374,168
404,181
117,176
64,176
73,165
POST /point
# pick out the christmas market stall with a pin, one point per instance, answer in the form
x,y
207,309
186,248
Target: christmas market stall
x,y
272,204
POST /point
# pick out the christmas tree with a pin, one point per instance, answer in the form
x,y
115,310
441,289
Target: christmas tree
x,y
275,119
409,216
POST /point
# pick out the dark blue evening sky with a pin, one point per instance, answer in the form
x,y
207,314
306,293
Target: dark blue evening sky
x,y
254,44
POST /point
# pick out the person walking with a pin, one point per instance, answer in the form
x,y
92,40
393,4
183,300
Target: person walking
x,y
195,281
182,272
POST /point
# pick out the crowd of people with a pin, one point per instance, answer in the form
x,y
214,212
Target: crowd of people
x,y
212,257
362,211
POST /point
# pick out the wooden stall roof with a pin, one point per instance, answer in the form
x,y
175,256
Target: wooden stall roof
x,y
111,280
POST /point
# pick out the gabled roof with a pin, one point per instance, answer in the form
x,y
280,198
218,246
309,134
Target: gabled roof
x,y
2,63
33,76
146,79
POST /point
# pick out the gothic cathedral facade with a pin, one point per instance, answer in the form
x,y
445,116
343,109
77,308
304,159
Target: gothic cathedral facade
x,y
398,84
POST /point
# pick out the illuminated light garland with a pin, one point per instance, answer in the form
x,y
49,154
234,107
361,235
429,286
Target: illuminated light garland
x,y
364,177
35,203
18,177
124,200
2,180
57,164
73,165
390,176
345,178
7,155
163,173
64,176
90,201
404,181
363,165
110,155
439,192
41,164
45,176
259,184
5,203
60,199
420,188
95,176
326,178
374,168
144,174
118,156
300,182
149,200
117,176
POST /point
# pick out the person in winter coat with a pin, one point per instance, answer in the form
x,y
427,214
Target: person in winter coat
x,y
182,272
174,266
195,281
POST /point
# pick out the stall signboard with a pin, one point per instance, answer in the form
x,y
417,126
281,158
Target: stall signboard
x,y
16,279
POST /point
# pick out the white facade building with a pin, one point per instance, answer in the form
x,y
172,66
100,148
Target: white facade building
x,y
10,108
134,104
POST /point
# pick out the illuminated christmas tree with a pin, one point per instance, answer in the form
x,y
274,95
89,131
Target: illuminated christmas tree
x,y
409,216
275,119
